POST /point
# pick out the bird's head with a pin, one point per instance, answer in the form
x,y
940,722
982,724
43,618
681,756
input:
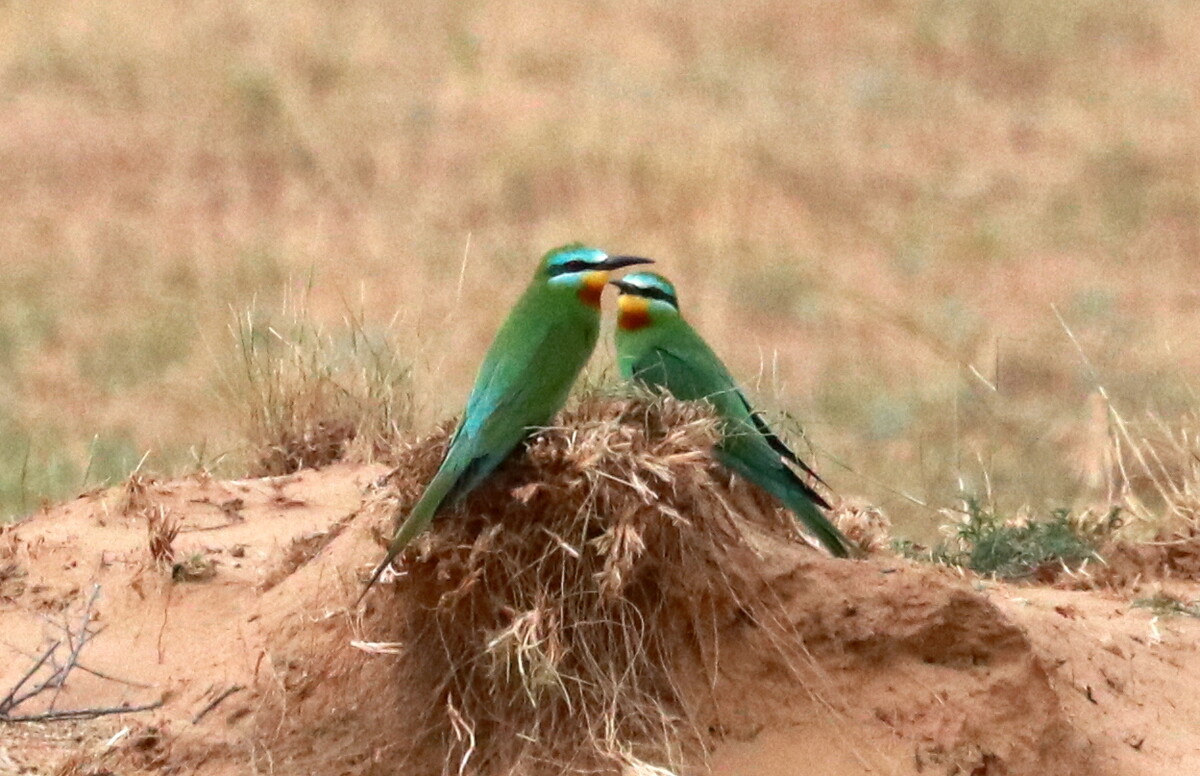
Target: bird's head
x,y
583,270
644,297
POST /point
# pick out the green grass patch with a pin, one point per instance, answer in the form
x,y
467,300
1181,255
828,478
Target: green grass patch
x,y
140,350
1013,549
39,466
32,472
28,319
1164,605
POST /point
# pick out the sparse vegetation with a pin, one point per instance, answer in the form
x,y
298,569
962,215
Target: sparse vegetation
x,y
161,530
196,567
1166,605
1016,548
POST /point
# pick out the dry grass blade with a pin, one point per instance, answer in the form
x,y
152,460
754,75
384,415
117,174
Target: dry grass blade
x,y
161,530
378,647
1151,469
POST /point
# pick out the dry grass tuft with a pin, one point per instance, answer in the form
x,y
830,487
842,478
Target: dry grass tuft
x,y
566,616
161,530
1157,472
135,495
864,524
136,500
1153,477
307,398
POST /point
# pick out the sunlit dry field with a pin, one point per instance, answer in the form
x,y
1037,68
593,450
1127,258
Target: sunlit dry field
x,y
927,232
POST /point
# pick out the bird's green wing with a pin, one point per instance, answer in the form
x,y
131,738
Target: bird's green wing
x,y
520,386
697,374
779,445
691,371
700,374
513,394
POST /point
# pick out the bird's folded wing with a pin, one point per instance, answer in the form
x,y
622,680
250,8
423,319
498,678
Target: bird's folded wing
x,y
711,381
512,395
776,443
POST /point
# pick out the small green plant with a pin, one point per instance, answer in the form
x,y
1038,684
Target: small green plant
x,y
1164,605
32,468
197,567
1013,549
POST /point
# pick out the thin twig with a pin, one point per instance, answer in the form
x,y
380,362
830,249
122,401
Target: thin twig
x,y
199,529
216,702
60,677
11,701
86,669
52,716
57,678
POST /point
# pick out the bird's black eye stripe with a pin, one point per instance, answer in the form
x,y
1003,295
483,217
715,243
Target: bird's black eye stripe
x,y
649,292
575,265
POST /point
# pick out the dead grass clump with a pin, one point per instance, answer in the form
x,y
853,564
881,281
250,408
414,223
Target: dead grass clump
x,y
867,526
1158,473
136,499
307,398
1131,563
135,495
1153,475
565,618
161,530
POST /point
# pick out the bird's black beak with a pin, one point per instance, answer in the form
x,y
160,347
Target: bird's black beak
x,y
616,262
624,287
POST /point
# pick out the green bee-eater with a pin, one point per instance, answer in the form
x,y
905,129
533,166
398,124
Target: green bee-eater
x,y
657,347
524,379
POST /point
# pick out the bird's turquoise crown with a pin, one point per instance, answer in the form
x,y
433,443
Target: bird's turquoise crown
x,y
576,260
649,285
568,259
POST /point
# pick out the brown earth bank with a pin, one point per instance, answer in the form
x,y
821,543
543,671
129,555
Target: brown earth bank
x,y
243,628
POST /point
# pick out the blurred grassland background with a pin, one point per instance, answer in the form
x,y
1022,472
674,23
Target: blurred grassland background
x,y
872,209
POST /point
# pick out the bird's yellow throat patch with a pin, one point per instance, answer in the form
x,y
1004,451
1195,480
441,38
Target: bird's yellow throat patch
x,y
593,287
633,312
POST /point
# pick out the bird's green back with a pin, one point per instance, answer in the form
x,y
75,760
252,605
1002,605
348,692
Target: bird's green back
x,y
663,351
670,354
524,379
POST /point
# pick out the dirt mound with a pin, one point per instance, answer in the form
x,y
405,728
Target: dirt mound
x,y
898,669
913,650
561,616
674,607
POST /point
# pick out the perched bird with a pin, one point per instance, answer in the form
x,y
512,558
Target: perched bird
x,y
657,347
524,379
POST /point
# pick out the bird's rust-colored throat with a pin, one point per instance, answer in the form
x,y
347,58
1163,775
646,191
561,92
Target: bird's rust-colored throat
x,y
593,288
633,312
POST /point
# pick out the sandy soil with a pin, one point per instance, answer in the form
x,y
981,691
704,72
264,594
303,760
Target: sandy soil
x,y
904,669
